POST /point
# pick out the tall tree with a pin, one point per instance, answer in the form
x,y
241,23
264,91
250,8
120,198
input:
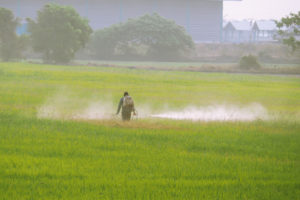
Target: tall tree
x,y
59,32
158,38
290,30
10,43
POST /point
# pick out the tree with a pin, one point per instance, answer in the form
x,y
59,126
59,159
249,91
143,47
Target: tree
x,y
59,32
150,35
290,30
11,45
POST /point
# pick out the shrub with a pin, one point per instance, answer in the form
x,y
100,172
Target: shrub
x,y
249,62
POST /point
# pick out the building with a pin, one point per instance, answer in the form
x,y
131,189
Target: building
x,y
265,31
250,31
202,19
238,32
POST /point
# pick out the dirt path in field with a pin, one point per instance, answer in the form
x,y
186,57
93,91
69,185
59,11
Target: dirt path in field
x,y
205,68
292,72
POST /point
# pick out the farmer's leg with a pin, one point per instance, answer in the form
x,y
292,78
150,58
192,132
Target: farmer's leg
x,y
126,116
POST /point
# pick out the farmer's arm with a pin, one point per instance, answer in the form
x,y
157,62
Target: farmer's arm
x,y
120,105
133,109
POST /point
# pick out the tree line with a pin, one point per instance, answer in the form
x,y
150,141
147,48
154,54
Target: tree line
x,y
59,32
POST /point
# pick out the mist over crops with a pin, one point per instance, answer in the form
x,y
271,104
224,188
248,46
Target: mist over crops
x,y
57,108
224,112
65,106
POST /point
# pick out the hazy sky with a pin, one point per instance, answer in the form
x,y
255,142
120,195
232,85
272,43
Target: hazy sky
x,y
260,9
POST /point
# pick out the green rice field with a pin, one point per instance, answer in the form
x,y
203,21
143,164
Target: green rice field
x,y
60,139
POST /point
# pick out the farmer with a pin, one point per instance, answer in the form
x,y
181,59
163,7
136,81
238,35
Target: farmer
x,y
127,105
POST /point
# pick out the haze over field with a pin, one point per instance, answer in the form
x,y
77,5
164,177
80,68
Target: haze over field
x,y
58,107
100,99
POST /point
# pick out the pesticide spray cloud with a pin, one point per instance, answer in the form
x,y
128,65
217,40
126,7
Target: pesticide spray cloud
x,y
96,111
64,106
224,112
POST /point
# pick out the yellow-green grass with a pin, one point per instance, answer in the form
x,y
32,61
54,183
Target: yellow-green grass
x,y
146,159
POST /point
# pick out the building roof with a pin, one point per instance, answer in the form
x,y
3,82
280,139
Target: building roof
x,y
248,25
242,25
266,25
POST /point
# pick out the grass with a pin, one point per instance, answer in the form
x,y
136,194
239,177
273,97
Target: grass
x,y
146,159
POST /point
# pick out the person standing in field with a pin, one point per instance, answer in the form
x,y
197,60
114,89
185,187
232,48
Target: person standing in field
x,y
127,105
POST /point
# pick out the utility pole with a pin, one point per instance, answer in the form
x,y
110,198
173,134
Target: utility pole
x,y
18,9
188,17
221,22
121,11
86,8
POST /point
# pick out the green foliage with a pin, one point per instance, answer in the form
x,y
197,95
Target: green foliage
x,y
58,33
144,159
151,36
249,62
291,31
11,46
43,159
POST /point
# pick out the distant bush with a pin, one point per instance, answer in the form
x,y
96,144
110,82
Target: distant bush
x,y
249,62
